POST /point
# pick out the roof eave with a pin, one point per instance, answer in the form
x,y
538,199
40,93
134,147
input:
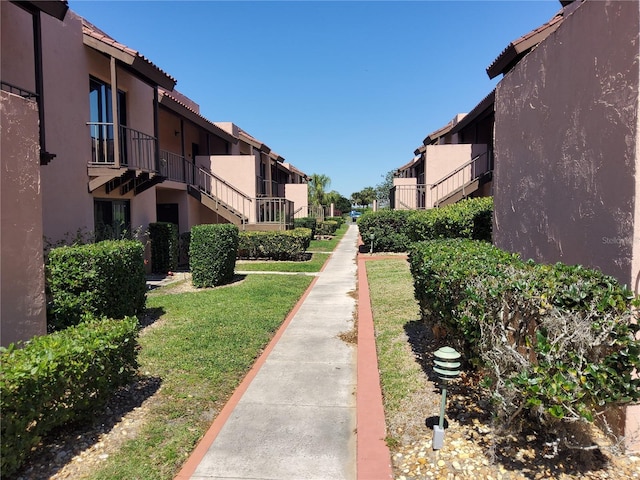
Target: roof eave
x,y
56,9
175,106
137,63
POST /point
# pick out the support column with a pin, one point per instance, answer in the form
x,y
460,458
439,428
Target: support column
x,y
115,113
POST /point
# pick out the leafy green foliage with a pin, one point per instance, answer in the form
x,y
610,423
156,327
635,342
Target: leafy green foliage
x,y
389,228
327,227
471,218
306,222
59,378
164,246
280,245
396,230
102,279
212,254
555,340
338,220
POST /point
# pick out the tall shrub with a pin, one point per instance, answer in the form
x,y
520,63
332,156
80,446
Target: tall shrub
x,y
212,254
556,341
281,245
164,246
102,279
389,228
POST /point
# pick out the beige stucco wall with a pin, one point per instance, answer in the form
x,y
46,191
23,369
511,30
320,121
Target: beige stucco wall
x,y
440,161
238,170
22,299
405,193
566,144
298,193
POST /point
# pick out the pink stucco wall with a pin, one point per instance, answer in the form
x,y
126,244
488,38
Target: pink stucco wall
x,y
567,153
298,193
566,139
238,170
23,305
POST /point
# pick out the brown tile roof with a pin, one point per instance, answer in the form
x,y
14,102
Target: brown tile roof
x,y
253,141
179,106
96,38
517,49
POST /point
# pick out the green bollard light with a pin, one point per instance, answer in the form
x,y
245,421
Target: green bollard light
x,y
447,367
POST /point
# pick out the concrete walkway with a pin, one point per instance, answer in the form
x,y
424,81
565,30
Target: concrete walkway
x,y
294,416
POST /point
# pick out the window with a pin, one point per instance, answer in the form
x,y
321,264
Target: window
x,y
101,119
112,219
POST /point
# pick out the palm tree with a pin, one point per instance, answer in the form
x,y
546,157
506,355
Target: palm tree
x,y
318,184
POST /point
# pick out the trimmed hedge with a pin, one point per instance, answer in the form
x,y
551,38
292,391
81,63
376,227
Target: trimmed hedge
x,y
556,341
327,227
280,245
104,279
338,220
59,378
164,246
307,222
212,254
389,228
396,230
471,218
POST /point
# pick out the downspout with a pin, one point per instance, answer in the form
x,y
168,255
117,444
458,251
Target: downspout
x,y
45,157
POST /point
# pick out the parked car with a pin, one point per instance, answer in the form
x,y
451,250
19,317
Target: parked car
x,y
355,215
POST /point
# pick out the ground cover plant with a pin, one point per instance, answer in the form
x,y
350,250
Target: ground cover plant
x,y
199,349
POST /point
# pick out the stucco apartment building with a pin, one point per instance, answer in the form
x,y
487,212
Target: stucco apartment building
x,y
97,142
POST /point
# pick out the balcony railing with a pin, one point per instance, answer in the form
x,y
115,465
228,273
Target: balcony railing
x,y
175,167
422,196
8,87
411,197
221,191
275,210
137,149
461,176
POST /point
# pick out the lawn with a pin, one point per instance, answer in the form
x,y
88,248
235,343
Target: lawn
x,y
396,314
328,245
199,348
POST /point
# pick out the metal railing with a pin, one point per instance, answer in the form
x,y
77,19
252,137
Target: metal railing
x,y
410,197
461,176
175,167
8,87
136,149
275,210
220,191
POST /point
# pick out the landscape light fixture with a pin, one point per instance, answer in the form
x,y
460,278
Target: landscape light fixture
x,y
447,367
372,236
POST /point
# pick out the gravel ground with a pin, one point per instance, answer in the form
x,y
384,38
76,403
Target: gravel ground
x,y
474,449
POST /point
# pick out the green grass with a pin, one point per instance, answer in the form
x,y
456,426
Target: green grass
x,y
313,265
328,245
200,348
393,306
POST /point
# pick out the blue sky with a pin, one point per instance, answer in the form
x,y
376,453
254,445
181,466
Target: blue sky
x,y
348,89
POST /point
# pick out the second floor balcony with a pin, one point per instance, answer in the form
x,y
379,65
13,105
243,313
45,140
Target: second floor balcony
x,y
136,150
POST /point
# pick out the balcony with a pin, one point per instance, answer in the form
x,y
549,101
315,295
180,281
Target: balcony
x,y
453,187
133,168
